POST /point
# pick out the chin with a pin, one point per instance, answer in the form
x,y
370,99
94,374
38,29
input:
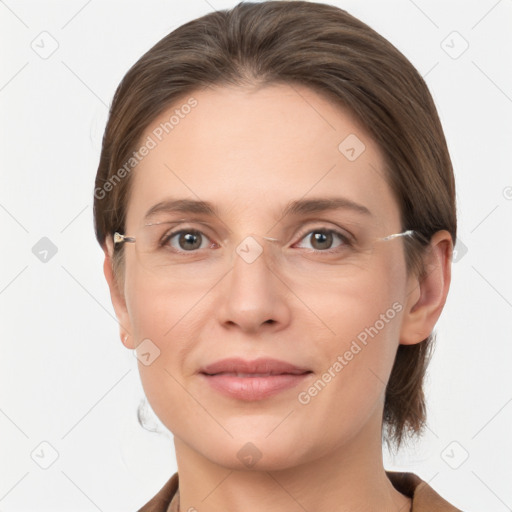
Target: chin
x,y
256,452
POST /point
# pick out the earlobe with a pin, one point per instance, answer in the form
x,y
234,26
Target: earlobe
x,y
117,296
426,296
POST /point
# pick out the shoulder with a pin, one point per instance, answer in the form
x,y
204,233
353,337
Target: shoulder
x,y
160,502
424,498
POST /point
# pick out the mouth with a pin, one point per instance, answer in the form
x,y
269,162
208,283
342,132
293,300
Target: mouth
x,y
244,375
253,380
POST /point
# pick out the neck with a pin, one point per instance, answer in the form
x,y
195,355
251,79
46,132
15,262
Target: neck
x,y
349,478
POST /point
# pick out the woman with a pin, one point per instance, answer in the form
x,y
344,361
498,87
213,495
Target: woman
x,y
276,204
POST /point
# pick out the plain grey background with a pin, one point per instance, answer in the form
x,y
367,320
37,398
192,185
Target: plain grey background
x,y
69,390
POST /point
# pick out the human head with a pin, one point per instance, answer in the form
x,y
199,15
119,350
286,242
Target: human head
x,y
335,55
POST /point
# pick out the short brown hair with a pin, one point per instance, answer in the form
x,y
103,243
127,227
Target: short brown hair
x,y
334,54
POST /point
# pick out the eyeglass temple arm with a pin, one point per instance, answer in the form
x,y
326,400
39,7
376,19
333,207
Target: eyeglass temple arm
x,y
118,238
409,232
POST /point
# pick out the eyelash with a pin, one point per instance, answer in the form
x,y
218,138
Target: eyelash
x,y
347,242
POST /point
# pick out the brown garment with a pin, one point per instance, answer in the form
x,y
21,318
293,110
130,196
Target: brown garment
x,y
424,498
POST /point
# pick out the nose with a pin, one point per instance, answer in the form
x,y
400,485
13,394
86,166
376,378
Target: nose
x,y
253,295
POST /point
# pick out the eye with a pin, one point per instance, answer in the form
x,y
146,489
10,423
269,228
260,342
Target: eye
x,y
187,240
322,239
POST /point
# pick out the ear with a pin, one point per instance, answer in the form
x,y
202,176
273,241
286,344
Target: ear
x,y
117,296
426,295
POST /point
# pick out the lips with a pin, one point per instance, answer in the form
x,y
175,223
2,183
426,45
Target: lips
x,y
263,366
253,380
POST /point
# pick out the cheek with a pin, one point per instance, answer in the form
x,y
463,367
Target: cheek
x,y
343,307
364,315
167,323
158,311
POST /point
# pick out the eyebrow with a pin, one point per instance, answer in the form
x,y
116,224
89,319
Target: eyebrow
x,y
182,206
297,207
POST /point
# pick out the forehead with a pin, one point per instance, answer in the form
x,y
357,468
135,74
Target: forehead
x,y
252,151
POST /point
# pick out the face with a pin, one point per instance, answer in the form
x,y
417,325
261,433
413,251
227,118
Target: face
x,y
334,318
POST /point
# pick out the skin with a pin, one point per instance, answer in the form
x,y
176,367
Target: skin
x,y
251,151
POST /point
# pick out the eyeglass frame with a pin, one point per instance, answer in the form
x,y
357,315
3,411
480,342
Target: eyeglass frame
x,y
119,238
